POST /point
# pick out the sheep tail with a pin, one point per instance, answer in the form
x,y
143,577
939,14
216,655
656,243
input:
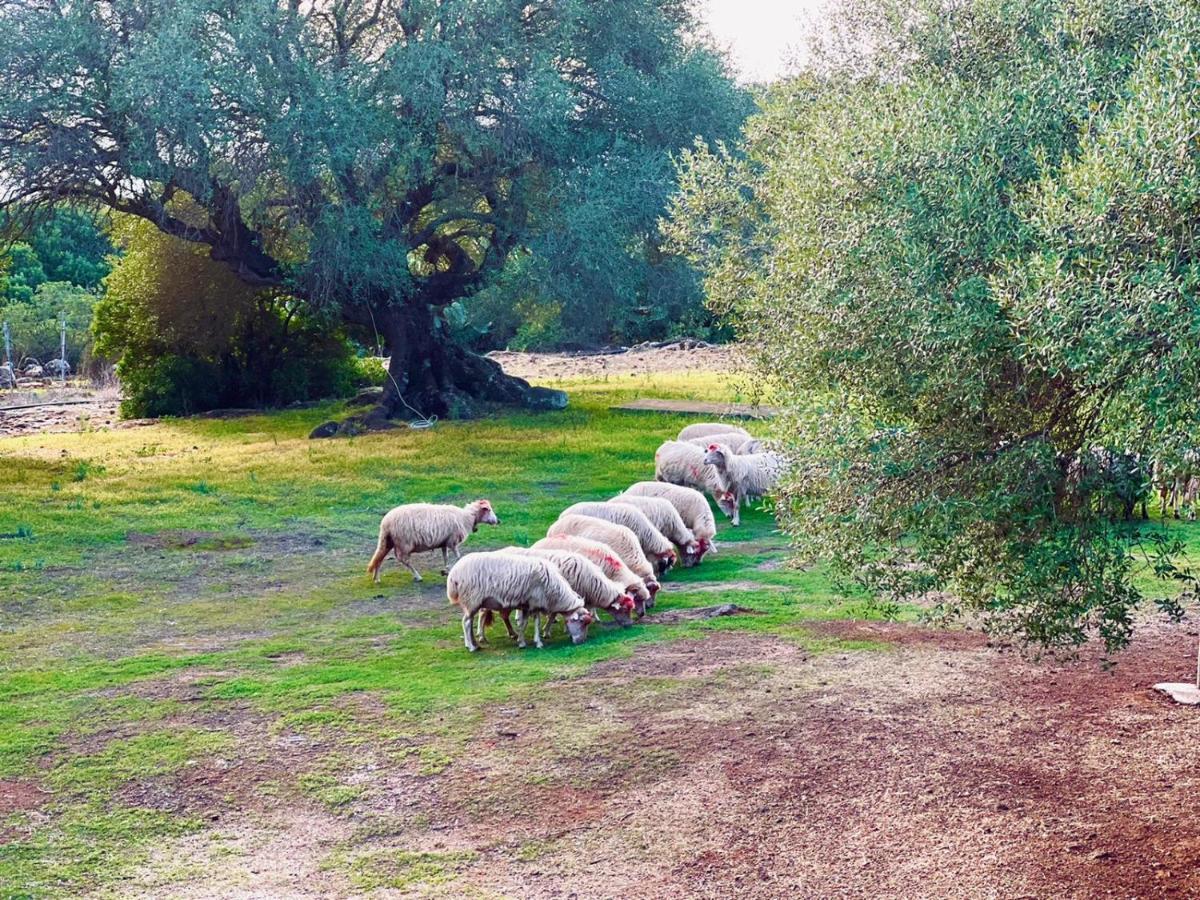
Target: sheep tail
x,y
381,551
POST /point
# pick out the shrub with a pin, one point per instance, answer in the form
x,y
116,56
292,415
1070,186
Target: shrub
x,y
189,336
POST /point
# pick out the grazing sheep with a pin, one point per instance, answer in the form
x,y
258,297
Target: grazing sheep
x,y
588,581
58,367
653,542
738,443
504,581
693,509
1178,483
704,429
678,462
606,560
666,519
417,527
623,542
750,477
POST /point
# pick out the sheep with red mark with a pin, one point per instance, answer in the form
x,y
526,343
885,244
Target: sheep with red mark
x,y
678,462
497,581
623,542
653,542
604,557
588,581
691,505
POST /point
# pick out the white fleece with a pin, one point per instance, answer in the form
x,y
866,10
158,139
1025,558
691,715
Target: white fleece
x,y
691,505
623,541
653,542
703,429
602,556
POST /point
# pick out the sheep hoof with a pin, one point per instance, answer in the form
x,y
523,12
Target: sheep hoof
x,y
445,571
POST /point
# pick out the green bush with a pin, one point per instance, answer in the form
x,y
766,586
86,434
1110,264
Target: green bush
x,y
189,336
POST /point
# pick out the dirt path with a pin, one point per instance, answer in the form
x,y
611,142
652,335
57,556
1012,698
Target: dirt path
x,y
680,357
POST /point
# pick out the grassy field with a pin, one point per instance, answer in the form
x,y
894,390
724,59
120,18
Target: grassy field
x,y
191,593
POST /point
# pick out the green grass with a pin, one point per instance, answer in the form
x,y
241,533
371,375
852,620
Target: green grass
x,y
163,584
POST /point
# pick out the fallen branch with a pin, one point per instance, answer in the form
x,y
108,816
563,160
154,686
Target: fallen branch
x,y
695,614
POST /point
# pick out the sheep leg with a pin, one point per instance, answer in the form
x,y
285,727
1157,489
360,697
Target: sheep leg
x,y
445,561
467,620
408,565
521,628
504,614
537,633
480,630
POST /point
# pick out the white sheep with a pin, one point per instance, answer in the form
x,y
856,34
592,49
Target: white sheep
x,y
504,581
750,476
691,505
653,542
604,557
704,429
623,542
587,580
678,462
738,443
666,519
418,527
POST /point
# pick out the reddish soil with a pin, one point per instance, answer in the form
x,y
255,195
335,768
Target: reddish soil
x,y
734,765
941,768
17,796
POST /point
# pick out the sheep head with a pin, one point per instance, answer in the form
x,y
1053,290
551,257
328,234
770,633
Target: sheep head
x,y
623,610
728,503
484,515
693,552
577,625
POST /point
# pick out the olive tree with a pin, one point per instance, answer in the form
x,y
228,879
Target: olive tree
x,y
384,158
963,250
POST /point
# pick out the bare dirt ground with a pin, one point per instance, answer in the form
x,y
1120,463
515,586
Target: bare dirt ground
x,y
50,407
742,765
682,356
939,769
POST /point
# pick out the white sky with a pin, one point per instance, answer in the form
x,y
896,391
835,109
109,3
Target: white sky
x,y
763,35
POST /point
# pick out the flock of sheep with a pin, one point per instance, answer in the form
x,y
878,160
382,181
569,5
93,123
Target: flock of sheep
x,y
596,556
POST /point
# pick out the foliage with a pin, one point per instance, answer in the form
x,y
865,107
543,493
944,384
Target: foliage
x,y
35,324
965,259
189,336
55,273
73,246
24,273
385,159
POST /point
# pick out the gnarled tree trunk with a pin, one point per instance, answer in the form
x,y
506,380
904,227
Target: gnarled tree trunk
x,y
430,375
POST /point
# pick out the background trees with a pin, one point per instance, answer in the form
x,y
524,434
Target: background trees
x,y
384,159
964,247
56,274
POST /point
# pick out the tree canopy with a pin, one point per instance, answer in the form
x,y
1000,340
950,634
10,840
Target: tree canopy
x,y
963,248
386,158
